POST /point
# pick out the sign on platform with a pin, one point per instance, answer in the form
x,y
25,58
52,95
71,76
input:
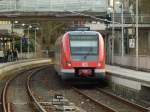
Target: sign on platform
x,y
59,96
1,53
131,43
24,40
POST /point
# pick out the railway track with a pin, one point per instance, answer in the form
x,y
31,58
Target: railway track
x,y
53,103
8,102
100,105
110,102
139,107
40,90
50,87
88,103
19,96
40,106
14,95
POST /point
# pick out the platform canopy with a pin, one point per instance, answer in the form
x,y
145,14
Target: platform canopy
x,y
53,5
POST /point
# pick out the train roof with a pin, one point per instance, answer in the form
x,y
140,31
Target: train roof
x,y
83,32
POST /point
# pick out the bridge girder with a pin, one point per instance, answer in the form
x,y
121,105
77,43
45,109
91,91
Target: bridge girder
x,y
53,16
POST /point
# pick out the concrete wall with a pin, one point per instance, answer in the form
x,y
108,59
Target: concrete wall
x,y
130,59
5,27
149,41
96,26
7,70
130,89
144,61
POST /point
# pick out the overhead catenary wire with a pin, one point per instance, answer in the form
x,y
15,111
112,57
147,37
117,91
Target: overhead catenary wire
x,y
93,17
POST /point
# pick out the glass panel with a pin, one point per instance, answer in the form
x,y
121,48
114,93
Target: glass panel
x,y
84,48
83,43
84,58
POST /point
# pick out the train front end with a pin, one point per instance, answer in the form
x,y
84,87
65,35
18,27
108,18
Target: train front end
x,y
83,55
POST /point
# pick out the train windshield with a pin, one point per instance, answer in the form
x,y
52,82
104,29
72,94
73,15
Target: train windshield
x,y
84,47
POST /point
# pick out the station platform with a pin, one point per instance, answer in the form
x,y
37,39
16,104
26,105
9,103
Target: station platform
x,y
11,68
128,77
5,64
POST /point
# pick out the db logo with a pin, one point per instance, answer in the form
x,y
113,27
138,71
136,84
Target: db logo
x,y
85,64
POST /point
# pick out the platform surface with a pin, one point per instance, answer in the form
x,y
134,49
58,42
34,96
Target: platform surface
x,y
128,73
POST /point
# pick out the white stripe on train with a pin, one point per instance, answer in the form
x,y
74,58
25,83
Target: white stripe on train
x,y
72,70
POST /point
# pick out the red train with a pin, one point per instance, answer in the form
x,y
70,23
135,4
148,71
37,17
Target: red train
x,y
80,54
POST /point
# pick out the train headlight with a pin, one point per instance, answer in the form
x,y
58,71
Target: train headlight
x,y
68,64
99,65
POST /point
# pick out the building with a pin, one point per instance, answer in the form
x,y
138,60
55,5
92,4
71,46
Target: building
x,y
5,38
125,53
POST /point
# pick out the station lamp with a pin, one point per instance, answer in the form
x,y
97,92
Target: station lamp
x,y
23,24
16,22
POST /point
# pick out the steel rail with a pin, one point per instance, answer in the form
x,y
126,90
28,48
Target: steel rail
x,y
37,104
139,107
107,108
4,91
4,102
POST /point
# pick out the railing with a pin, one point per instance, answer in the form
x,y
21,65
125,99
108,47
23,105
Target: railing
x,y
53,5
130,19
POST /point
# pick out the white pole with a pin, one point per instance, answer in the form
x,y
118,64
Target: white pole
x,y
122,26
137,36
15,5
21,47
113,31
35,41
12,32
28,42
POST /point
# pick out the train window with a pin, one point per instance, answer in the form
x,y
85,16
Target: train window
x,y
84,47
78,28
80,48
83,37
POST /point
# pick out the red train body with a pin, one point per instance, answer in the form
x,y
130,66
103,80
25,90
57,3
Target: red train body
x,y
80,54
